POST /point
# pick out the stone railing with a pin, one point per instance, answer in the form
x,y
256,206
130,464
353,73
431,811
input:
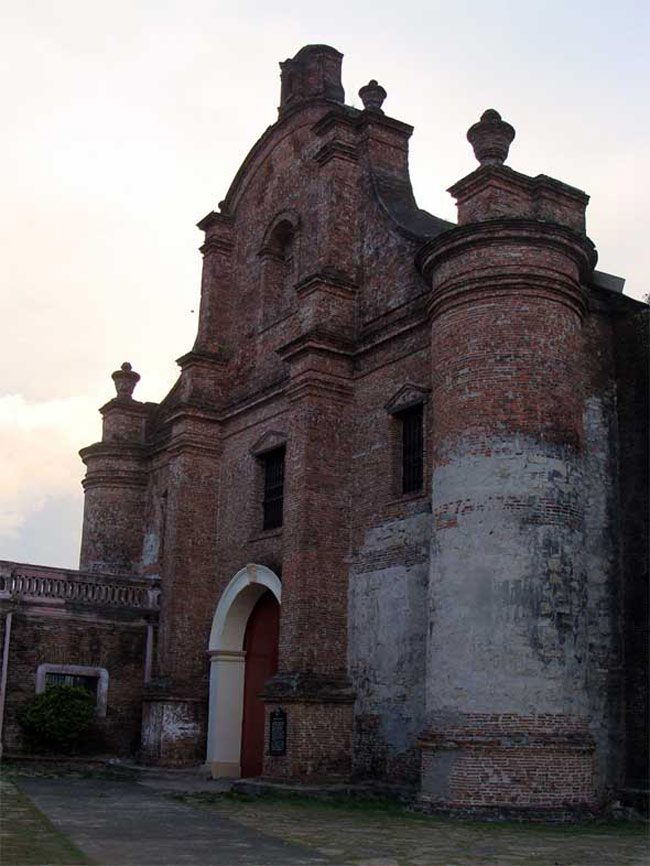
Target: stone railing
x,y
33,583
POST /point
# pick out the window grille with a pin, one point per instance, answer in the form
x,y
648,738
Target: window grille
x,y
273,488
82,682
412,449
94,680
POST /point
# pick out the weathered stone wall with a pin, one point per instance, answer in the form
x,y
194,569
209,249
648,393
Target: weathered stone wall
x,y
388,627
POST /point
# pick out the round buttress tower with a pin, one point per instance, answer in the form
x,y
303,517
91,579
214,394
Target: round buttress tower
x,y
507,701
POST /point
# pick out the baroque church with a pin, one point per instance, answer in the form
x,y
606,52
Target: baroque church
x,y
390,523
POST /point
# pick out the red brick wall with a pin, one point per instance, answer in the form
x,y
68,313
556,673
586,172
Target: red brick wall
x,y
533,762
319,742
80,638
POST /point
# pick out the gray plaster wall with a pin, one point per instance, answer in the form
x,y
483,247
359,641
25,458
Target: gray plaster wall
x,y
508,593
387,642
522,592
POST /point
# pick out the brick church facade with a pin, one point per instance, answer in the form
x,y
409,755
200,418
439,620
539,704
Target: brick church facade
x,y
390,522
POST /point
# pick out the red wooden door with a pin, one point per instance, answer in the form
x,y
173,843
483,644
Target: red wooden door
x,y
261,646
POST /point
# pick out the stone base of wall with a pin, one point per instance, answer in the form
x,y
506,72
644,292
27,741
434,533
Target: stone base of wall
x,y
173,731
319,743
376,760
319,716
569,814
508,765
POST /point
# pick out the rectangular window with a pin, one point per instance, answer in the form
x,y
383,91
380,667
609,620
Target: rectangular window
x,y
95,680
83,682
273,488
412,449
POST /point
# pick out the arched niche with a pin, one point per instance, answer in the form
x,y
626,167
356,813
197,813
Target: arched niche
x,y
227,665
279,267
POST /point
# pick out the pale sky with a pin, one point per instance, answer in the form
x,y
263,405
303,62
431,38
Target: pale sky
x,y
126,122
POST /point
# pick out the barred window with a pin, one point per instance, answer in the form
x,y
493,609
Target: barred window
x,y
412,449
94,680
273,488
82,682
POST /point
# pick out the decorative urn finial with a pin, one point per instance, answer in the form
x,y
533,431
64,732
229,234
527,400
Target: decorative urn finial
x,y
125,381
491,138
372,95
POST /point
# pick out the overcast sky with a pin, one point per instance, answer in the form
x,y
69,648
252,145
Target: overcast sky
x,y
126,121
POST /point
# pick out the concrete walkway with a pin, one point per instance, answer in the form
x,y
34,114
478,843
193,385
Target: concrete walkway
x,y
125,824
145,822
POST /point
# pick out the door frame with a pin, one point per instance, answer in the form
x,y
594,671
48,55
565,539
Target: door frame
x,y
227,665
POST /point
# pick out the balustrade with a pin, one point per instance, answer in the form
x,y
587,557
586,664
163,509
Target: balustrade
x,y
82,589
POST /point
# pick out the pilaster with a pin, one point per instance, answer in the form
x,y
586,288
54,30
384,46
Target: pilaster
x,y
311,685
216,309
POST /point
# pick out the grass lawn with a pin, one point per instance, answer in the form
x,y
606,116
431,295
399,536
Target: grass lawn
x,y
385,834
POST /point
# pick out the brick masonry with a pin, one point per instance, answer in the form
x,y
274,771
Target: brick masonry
x,y
109,632
483,637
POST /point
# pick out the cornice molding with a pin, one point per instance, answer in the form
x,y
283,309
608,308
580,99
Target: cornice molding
x,y
337,149
130,450
317,385
190,444
216,244
357,121
125,406
317,341
328,280
213,219
463,290
196,411
343,117
137,479
495,232
198,358
478,179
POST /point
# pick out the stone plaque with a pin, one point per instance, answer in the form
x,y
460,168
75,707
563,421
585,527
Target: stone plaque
x,y
278,733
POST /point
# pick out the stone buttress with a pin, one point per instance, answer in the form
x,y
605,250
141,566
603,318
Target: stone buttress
x,y
507,690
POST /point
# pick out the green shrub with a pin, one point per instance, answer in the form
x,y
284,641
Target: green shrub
x,y
58,717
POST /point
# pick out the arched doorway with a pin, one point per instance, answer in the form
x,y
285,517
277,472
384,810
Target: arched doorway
x,y
228,669
261,648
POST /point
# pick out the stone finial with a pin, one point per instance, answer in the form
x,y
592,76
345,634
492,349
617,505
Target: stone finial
x,y
372,95
491,138
125,381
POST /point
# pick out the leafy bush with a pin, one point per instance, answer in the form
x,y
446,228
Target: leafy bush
x,y
58,717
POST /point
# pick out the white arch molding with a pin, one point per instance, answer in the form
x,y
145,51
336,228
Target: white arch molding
x,y
227,666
